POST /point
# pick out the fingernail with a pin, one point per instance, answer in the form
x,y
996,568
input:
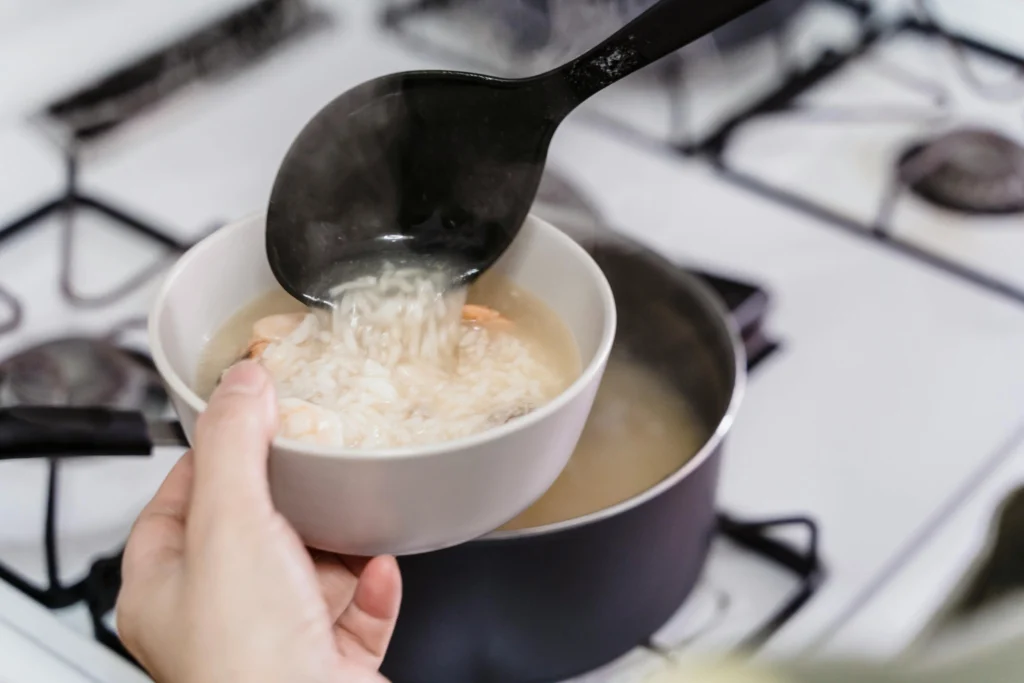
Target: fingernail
x,y
245,378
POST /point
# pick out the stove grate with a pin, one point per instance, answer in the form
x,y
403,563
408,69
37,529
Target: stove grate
x,y
784,101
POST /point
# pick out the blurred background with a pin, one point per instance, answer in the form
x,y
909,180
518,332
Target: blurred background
x,y
848,175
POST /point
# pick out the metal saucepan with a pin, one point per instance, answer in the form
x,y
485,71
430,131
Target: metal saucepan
x,y
549,603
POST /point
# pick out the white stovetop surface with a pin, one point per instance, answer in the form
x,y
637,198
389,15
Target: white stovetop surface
x,y
35,648
892,414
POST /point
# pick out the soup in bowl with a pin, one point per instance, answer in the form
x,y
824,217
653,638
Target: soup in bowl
x,y
409,446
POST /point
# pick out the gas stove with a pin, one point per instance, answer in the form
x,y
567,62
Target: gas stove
x,y
886,366
71,567
94,263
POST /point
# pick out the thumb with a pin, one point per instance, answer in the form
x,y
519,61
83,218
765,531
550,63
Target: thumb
x,y
231,444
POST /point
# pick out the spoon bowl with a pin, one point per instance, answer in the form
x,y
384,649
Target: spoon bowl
x,y
409,166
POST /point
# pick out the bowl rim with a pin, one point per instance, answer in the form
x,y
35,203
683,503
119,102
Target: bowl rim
x,y
179,387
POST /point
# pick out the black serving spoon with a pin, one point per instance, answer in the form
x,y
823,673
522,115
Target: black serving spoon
x,y
443,165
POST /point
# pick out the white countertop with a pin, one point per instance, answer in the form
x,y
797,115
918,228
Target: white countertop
x,y
895,402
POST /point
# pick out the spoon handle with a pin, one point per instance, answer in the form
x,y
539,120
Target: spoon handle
x,y
661,29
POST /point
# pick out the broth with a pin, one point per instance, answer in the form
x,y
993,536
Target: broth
x,y
229,343
639,432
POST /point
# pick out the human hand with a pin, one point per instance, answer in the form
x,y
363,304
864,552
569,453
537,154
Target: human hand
x,y
218,588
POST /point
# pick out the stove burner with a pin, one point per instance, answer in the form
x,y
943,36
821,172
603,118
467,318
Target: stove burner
x,y
78,371
972,171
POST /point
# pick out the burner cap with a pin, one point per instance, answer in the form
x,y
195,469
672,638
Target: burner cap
x,y
78,371
972,171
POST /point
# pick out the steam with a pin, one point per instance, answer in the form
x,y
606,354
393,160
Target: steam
x,y
531,36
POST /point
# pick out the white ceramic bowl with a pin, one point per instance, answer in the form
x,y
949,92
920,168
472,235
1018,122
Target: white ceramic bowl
x,y
407,500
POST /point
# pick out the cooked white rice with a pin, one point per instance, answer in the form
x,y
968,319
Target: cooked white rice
x,y
395,365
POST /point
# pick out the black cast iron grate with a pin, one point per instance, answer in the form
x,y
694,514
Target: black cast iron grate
x,y
69,205
86,118
785,101
805,563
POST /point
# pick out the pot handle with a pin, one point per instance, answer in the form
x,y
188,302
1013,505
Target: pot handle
x,y
34,431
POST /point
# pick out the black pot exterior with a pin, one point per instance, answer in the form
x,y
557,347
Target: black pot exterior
x,y
547,607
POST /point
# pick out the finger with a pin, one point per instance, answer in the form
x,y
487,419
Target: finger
x,y
232,439
337,582
364,629
158,535
151,561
